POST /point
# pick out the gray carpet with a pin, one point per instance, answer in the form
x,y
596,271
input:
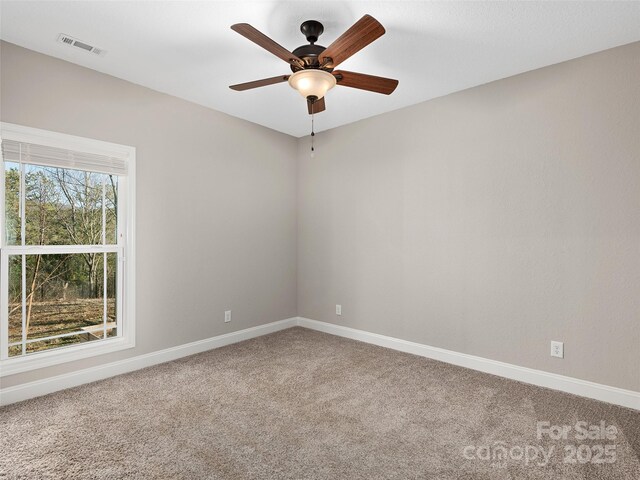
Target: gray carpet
x,y
299,404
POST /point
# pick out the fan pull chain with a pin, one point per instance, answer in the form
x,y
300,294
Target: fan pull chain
x,y
313,133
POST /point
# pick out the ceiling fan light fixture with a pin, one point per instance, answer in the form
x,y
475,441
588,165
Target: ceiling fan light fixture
x,y
312,83
313,64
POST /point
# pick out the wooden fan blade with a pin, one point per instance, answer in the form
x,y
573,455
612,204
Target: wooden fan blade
x,y
315,107
259,83
361,34
265,42
365,82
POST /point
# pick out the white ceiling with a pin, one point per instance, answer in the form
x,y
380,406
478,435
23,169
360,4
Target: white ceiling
x,y
186,48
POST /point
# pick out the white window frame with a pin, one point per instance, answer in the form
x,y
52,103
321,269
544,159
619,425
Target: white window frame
x,y
126,227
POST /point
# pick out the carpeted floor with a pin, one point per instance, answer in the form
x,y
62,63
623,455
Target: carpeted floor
x,y
299,404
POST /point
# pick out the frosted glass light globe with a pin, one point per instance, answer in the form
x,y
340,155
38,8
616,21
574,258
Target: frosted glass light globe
x,y
312,83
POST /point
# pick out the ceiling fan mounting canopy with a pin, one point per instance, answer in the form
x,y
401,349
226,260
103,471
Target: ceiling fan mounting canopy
x,y
313,65
312,29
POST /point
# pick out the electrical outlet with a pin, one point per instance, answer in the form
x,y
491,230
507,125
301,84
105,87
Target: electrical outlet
x,y
338,309
557,349
227,316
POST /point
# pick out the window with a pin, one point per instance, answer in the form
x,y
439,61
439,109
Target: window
x,y
66,254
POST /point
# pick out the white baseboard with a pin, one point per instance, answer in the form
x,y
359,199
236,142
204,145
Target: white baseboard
x,y
60,382
618,396
605,393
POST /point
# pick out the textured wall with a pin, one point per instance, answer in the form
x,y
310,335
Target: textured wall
x,y
216,200
488,222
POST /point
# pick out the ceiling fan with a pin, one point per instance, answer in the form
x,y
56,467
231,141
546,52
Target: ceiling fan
x,y
313,65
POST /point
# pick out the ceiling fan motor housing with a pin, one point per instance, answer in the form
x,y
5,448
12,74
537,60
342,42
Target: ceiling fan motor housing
x,y
309,54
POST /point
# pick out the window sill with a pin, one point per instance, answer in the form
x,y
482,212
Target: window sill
x,y
13,366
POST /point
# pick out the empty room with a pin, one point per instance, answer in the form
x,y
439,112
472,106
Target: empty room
x,y
320,240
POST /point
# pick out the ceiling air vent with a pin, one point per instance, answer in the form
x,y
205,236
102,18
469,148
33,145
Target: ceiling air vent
x,y
74,42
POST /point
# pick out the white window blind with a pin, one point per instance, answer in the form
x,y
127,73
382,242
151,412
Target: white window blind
x,y
21,152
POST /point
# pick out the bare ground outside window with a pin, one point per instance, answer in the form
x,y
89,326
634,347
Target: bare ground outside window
x,y
61,317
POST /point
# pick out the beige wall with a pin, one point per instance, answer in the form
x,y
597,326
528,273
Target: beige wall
x,y
216,200
488,222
